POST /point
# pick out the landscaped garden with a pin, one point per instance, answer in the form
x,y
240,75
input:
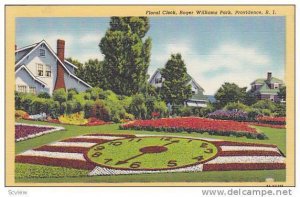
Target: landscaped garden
x,y
44,173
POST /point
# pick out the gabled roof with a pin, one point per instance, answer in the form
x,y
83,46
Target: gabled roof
x,y
69,63
35,46
31,74
262,81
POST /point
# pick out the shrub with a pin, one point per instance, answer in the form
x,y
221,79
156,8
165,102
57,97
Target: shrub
x,y
266,112
185,111
44,95
39,105
60,95
253,113
74,119
264,104
100,111
88,109
71,93
161,108
54,109
138,107
236,106
21,114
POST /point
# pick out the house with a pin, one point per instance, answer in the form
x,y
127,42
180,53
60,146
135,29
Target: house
x,y
198,99
39,69
267,88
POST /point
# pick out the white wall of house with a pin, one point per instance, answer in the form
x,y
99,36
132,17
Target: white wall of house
x,y
33,59
72,82
194,87
154,80
23,78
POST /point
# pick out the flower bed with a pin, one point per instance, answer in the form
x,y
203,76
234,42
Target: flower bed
x,y
27,131
271,120
194,124
95,122
72,153
229,115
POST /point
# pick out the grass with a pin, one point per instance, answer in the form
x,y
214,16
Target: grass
x,y
276,136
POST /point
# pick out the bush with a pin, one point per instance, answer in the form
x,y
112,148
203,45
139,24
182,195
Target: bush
x,y
71,93
60,95
100,111
236,106
161,108
88,109
138,107
253,113
264,104
45,95
185,111
74,119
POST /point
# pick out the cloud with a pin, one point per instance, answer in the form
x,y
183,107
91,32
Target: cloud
x,y
228,62
86,56
91,38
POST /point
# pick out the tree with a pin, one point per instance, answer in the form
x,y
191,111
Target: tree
x,y
250,98
175,88
91,72
126,54
282,93
229,92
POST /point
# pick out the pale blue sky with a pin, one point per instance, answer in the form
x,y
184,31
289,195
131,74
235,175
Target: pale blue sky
x,y
215,49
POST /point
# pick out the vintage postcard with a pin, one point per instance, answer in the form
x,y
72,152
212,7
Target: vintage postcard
x,y
150,95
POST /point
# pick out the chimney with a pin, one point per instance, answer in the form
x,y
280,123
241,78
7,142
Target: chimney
x,y
269,76
60,80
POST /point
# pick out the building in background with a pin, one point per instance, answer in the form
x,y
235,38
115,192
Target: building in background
x,y
39,69
198,99
267,88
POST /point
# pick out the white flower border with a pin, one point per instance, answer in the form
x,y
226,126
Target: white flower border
x,y
55,128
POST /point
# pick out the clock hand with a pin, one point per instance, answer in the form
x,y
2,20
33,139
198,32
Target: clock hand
x,y
172,142
126,160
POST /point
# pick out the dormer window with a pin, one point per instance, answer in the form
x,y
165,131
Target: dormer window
x,y
40,71
42,53
48,71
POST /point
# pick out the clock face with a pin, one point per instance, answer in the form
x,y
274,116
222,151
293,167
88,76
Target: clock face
x,y
151,153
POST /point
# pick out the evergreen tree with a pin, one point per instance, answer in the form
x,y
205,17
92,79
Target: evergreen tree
x,y
126,54
175,88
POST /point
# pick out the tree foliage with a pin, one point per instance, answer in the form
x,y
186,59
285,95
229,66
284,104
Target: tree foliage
x,y
175,88
126,54
91,72
282,93
230,92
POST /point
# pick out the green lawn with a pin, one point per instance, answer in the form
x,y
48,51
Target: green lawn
x,y
57,174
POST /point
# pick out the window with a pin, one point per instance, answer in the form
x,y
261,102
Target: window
x,y
32,90
40,70
22,88
276,85
48,71
193,92
158,80
42,53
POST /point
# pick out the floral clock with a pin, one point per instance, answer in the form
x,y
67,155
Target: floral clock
x,y
151,153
